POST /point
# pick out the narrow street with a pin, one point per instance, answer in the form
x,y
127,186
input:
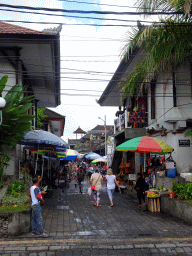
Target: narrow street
x,y
77,227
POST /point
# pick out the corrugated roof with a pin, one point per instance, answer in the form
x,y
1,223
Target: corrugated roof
x,y
6,28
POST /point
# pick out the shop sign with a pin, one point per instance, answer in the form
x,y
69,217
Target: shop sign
x,y
184,143
132,176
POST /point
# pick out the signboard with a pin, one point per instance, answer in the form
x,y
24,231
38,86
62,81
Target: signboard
x,y
132,176
184,143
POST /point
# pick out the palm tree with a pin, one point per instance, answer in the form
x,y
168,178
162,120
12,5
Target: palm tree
x,y
166,46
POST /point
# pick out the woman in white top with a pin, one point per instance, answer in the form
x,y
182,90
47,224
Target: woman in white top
x,y
111,182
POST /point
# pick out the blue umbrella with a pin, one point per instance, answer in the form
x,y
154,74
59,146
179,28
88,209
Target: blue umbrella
x,y
92,156
42,138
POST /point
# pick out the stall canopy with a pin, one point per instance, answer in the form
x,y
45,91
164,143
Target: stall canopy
x,y
70,155
43,138
99,160
145,144
92,156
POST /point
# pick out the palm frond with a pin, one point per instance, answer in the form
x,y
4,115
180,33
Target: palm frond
x,y
166,46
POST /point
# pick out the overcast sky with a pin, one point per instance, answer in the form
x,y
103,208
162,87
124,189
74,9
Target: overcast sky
x,y
85,51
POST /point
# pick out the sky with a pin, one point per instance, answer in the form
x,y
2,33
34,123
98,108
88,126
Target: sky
x,y
90,54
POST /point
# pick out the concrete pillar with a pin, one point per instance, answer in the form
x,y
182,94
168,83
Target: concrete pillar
x,y
137,162
125,156
126,118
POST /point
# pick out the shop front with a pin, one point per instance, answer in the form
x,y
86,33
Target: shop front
x,y
150,155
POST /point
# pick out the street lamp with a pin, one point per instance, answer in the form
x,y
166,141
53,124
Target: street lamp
x,y
2,105
105,134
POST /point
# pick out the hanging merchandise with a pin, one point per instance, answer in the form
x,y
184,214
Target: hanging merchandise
x,y
170,166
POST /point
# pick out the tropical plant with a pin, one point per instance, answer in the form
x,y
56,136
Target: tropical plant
x,y
40,117
16,188
22,198
165,46
182,191
16,120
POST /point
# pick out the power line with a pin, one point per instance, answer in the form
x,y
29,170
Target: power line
x,y
88,12
92,95
71,16
110,5
68,24
121,6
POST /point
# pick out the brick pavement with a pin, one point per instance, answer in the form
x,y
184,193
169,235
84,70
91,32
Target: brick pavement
x,y
76,227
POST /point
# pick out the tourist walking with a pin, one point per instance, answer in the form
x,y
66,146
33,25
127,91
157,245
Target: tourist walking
x,y
37,200
111,184
80,178
96,180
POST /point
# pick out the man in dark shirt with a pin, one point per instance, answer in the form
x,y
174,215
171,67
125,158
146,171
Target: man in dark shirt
x,y
140,188
80,178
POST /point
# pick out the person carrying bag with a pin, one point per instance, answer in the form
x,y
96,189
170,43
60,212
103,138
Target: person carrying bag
x,y
95,181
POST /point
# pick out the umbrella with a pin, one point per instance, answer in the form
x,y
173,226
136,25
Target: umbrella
x,y
99,160
92,156
80,156
71,155
145,144
42,138
61,154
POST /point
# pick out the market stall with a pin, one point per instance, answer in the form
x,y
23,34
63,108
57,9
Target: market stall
x,y
148,145
124,177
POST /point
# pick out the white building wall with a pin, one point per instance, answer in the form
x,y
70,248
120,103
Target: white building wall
x,y
164,112
7,69
184,93
181,155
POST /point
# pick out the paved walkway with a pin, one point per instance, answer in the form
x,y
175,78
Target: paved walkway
x,y
76,227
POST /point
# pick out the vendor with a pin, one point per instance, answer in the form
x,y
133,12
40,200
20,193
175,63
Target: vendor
x,y
140,188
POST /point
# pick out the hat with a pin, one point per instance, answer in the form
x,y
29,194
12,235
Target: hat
x,y
109,171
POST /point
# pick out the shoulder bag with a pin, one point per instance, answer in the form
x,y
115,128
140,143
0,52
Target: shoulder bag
x,y
93,186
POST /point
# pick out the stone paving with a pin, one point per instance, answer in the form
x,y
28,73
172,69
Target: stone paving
x,y
76,227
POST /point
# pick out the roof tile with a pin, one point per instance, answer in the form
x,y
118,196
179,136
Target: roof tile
x,y
6,28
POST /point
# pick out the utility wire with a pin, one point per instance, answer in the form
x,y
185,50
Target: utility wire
x,y
92,95
68,24
73,16
110,5
121,6
89,12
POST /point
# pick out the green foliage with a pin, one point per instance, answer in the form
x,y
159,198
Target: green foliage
x,y
14,208
16,188
188,133
15,198
40,117
165,46
16,120
183,6
182,191
22,198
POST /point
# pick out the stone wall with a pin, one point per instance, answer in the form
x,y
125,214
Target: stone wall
x,y
16,223
177,208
